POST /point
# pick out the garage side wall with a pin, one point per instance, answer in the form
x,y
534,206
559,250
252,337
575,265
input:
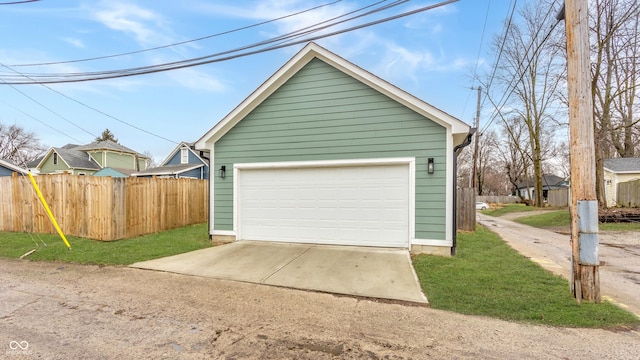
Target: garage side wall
x,y
322,113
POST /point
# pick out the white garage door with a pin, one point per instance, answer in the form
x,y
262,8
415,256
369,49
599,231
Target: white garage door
x,y
354,205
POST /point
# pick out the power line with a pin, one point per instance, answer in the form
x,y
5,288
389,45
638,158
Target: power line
x,y
519,71
50,110
212,58
475,67
18,2
178,43
42,122
183,64
141,70
95,109
504,40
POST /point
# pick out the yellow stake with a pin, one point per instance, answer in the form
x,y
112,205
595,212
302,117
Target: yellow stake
x,y
46,207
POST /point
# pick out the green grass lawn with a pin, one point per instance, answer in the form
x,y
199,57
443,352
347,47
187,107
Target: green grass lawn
x,y
509,208
120,252
552,218
489,278
562,218
486,277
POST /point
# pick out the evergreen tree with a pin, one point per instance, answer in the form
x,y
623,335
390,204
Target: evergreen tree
x,y
107,135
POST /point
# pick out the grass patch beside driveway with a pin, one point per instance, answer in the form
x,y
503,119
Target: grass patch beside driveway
x,y
508,208
120,252
489,278
562,218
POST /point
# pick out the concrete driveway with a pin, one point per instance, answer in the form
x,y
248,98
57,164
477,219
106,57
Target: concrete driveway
x,y
361,271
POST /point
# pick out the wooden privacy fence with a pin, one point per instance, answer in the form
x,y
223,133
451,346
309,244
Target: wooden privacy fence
x,y
102,208
499,199
558,197
629,194
466,209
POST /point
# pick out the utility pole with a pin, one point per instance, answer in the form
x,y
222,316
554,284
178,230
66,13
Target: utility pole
x,y
585,278
474,183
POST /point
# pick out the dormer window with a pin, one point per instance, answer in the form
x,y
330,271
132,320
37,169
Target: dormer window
x,y
184,156
55,158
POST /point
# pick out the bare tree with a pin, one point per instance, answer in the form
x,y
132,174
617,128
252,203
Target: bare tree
x,y
464,163
615,40
18,145
489,177
531,69
514,153
152,162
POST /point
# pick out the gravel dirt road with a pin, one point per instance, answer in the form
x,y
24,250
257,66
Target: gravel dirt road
x,y
64,311
619,254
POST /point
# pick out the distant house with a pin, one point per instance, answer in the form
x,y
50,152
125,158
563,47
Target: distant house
x,y
183,162
89,159
7,168
526,189
617,171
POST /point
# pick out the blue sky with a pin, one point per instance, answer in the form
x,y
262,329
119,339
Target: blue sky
x,y
431,54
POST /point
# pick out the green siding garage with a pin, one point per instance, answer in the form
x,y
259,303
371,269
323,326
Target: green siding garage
x,y
324,152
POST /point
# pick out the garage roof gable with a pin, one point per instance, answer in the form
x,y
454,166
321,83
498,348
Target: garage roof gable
x,y
297,62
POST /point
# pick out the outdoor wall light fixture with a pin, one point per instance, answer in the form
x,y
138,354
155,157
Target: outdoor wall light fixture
x,y
222,171
430,166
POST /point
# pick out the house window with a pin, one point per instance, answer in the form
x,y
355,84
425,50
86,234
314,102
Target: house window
x,y
55,158
184,156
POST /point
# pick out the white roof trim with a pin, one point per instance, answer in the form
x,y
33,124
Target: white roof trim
x,y
304,56
13,167
621,171
48,154
183,144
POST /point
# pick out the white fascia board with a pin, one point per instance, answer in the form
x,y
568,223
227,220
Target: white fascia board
x,y
298,61
256,98
45,157
623,171
178,148
212,183
13,167
173,152
449,188
440,117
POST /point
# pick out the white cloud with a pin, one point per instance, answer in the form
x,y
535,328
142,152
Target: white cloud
x,y
144,25
273,9
399,62
197,80
75,42
150,29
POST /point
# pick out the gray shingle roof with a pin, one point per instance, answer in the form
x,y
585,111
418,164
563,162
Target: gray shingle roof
x,y
547,180
107,145
76,159
622,164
